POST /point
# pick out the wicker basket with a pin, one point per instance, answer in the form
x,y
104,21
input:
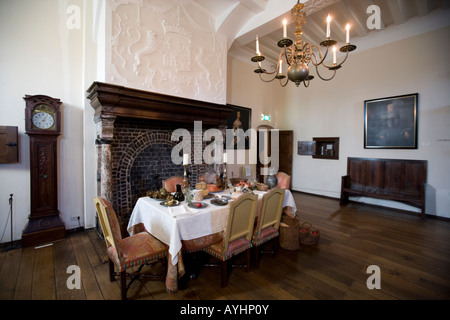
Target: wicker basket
x,y
289,235
308,235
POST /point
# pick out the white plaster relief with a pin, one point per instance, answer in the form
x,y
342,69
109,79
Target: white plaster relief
x,y
168,47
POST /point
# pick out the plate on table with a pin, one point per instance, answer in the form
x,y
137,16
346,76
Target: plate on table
x,y
171,203
157,199
219,202
195,206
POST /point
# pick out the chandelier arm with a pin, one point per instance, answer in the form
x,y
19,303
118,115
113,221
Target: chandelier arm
x,y
270,80
306,83
264,71
285,84
325,79
287,56
337,66
320,55
345,59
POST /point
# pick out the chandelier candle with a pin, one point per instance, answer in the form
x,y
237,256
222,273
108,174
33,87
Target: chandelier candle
x,y
347,38
300,55
328,27
258,53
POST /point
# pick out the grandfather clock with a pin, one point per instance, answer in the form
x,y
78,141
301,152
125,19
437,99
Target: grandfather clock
x,y
43,126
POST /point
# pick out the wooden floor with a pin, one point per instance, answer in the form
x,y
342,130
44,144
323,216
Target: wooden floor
x,y
413,256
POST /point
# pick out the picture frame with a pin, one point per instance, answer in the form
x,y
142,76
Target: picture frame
x,y
240,118
391,123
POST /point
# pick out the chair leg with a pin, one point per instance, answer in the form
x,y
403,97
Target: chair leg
x,y
249,260
276,245
224,273
111,271
256,257
123,284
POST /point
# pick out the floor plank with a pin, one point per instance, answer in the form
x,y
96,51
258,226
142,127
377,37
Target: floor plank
x,y
43,285
413,256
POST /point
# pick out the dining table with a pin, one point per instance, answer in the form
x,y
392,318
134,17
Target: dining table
x,y
186,225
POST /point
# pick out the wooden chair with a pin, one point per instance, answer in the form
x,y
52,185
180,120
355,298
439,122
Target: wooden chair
x,y
284,180
237,235
268,222
170,184
124,254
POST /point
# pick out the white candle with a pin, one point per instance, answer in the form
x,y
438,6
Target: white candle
x,y
224,157
257,46
334,54
281,68
185,159
347,33
328,26
284,29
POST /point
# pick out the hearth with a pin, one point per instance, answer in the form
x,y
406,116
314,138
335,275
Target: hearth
x,y
134,140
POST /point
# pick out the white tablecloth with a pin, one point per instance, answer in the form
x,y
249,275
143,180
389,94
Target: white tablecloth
x,y
170,226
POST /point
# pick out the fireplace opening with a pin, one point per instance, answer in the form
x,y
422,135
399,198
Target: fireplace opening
x,y
150,167
141,153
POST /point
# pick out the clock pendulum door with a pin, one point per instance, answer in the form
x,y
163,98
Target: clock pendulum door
x,y
43,127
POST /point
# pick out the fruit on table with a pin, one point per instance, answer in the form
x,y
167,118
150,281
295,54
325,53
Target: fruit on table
x,y
198,204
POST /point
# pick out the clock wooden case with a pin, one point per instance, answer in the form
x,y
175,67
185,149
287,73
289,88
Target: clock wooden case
x,y
43,126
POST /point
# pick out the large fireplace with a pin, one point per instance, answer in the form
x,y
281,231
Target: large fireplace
x,y
134,140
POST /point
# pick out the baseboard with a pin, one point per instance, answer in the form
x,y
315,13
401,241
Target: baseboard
x,y
376,206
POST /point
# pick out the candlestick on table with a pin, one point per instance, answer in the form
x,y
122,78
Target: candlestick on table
x,y
185,178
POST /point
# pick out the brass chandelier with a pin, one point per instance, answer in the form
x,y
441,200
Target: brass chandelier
x,y
298,54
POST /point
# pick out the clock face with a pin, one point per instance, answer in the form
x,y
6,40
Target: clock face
x,y
43,117
43,120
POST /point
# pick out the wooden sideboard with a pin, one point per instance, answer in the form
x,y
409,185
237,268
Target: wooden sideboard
x,y
389,179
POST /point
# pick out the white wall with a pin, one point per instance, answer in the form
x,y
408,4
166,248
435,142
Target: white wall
x,y
41,55
246,90
336,109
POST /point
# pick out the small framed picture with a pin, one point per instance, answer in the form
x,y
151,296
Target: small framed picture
x,y
239,121
391,123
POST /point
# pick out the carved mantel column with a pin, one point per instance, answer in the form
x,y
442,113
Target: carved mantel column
x,y
105,137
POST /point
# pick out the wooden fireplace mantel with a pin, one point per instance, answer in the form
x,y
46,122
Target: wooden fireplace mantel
x,y
111,100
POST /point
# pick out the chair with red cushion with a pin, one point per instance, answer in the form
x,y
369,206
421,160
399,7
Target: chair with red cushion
x,y
124,254
170,184
284,180
268,222
237,236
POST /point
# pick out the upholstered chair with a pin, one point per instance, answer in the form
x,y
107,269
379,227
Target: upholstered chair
x,y
128,253
284,180
237,236
268,222
170,184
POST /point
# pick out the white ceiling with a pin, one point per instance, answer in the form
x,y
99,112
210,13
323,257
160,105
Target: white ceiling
x,y
241,20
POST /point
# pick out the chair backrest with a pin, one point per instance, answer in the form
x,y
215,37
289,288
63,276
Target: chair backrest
x,y
284,180
170,184
241,219
271,210
108,222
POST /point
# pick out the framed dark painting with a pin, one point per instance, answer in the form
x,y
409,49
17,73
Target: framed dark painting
x,y
239,122
391,123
